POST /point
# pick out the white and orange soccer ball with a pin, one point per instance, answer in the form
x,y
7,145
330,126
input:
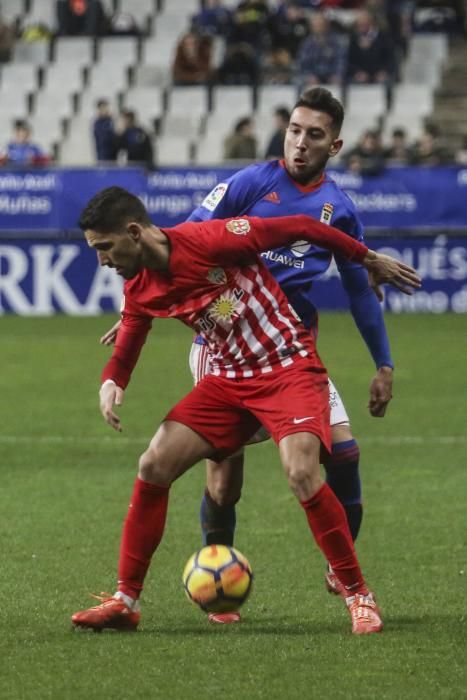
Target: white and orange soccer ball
x,y
217,578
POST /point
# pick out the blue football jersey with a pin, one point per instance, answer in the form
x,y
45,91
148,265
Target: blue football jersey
x,y
267,190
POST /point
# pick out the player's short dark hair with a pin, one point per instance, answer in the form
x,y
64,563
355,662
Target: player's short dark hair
x,y
21,124
322,100
242,123
283,113
110,210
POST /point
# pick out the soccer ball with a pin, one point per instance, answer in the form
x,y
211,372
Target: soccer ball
x,y
217,578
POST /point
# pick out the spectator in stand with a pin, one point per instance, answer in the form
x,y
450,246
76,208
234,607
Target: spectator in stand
x,y
321,59
192,62
395,17
104,133
398,152
80,18
212,19
248,39
21,150
275,147
430,150
367,158
7,40
446,16
290,27
241,144
252,24
133,142
371,54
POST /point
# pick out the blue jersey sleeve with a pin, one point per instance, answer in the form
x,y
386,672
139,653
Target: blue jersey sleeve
x,y
364,305
232,197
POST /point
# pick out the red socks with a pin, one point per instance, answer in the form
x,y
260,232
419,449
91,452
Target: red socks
x,y
327,521
142,532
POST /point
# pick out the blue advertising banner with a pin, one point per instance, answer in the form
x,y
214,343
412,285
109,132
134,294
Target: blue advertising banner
x,y
43,277
399,198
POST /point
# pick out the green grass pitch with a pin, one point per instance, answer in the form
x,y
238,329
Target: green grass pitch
x,y
65,484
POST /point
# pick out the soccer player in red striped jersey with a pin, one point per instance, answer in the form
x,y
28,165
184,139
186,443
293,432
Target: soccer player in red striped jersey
x,y
266,371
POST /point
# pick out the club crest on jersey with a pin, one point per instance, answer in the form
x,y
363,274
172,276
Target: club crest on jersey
x,y
217,275
326,213
211,201
238,226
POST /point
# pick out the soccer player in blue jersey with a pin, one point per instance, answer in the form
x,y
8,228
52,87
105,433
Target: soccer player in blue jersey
x,y
276,188
299,185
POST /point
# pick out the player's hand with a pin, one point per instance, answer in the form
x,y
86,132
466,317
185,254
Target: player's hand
x,y
375,287
111,395
109,337
380,392
387,270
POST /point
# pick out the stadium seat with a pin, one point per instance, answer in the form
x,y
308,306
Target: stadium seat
x,y
147,102
13,10
47,129
159,52
121,51
173,151
74,50
428,47
78,147
18,78
150,75
190,99
366,101
183,7
32,52
209,149
265,125
106,79
412,100
63,78
42,12
272,96
233,100
182,126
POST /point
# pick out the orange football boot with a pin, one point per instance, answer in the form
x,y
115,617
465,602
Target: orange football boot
x,y
111,613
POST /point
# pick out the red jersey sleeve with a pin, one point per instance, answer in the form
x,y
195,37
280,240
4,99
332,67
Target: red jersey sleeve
x,y
240,239
130,339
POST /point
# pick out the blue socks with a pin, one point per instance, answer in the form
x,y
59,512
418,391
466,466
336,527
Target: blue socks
x,y
342,475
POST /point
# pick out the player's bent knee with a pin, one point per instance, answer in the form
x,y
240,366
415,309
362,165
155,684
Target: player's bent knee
x,y
154,469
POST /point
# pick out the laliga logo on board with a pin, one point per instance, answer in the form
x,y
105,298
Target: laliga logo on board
x,y
238,226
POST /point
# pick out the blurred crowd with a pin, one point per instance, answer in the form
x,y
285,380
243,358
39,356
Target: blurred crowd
x,y
251,42
369,156
306,42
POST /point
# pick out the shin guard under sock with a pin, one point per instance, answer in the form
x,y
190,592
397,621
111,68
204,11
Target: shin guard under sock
x,y
142,532
342,475
327,521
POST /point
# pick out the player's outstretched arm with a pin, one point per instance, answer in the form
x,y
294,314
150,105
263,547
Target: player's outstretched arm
x,y
111,395
387,270
256,235
109,336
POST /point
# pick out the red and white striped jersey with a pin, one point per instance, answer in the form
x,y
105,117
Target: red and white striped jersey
x,y
217,285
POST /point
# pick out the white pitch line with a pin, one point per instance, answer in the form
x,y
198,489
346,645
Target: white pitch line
x,y
118,440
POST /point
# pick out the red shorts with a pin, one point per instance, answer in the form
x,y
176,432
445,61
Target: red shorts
x,y
227,412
